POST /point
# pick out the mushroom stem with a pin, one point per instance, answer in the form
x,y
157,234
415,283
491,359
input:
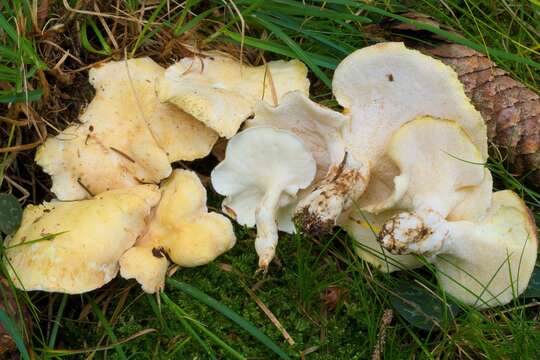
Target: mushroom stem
x,y
318,213
267,230
423,232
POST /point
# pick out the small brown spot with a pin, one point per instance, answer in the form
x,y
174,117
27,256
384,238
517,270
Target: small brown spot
x,y
158,252
390,77
91,128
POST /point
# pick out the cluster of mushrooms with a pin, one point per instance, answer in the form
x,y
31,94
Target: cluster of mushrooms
x,y
401,169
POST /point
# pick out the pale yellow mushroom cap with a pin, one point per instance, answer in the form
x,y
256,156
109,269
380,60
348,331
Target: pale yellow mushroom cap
x,y
222,93
492,259
92,235
151,261
126,136
182,228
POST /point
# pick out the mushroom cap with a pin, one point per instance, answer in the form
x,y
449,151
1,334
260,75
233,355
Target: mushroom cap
x,y
476,200
126,136
91,237
222,93
145,265
256,160
438,166
493,259
364,227
385,85
318,126
183,227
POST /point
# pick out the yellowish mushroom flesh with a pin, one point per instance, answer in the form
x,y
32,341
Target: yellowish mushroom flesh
x,y
181,229
222,92
81,241
125,137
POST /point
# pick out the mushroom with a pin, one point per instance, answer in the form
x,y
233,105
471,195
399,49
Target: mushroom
x,y
181,230
483,263
73,247
222,92
263,170
317,126
146,265
381,87
437,161
364,228
439,175
125,136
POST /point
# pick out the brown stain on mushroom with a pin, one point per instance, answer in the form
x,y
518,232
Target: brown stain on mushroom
x,y
387,235
338,187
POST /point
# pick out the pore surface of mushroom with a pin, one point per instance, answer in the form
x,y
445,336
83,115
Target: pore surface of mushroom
x,y
381,87
125,136
262,172
318,127
222,93
79,242
483,263
181,229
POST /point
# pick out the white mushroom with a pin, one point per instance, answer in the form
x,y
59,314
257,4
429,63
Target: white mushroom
x,y
126,136
438,175
222,93
263,170
483,263
318,127
438,166
381,87
81,241
181,229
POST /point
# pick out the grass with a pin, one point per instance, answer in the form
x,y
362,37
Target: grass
x,y
328,300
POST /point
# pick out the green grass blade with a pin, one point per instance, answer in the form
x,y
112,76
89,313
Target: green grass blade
x,y
33,95
267,45
225,311
56,326
86,43
183,315
292,7
291,24
295,48
16,336
21,41
183,14
187,326
142,36
435,30
179,30
109,330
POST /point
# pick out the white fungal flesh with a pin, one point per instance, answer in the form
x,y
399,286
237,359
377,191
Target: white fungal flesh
x,y
258,179
381,87
483,263
318,127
